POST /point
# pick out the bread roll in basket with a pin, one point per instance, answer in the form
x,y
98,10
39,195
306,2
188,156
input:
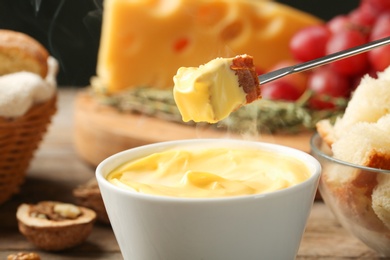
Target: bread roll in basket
x,y
27,104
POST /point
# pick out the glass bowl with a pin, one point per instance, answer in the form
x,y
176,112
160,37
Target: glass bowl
x,y
358,196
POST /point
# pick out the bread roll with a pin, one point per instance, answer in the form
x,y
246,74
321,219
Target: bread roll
x,y
20,52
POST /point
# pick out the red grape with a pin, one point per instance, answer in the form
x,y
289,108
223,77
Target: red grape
x,y
377,5
367,22
381,27
380,58
338,23
309,43
325,83
364,17
280,90
343,40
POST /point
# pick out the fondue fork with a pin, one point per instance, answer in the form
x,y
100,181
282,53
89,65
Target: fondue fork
x,y
279,73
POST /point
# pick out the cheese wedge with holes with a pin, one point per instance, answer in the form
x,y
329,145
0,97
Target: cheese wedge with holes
x,y
144,42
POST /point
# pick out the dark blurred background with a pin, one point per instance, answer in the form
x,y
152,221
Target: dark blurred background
x,y
70,29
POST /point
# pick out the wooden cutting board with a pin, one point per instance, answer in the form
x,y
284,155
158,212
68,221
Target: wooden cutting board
x,y
100,131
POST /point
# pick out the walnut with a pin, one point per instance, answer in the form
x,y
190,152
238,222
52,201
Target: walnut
x,y
55,226
24,256
88,195
67,210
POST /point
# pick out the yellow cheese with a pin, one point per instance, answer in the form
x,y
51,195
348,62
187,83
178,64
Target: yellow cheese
x,y
144,42
208,93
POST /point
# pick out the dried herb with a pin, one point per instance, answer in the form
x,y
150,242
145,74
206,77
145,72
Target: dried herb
x,y
263,115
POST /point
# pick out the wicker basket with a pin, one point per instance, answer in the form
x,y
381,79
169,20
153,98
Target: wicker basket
x,y
19,139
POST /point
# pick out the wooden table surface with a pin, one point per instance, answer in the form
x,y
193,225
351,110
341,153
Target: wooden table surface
x,y
56,170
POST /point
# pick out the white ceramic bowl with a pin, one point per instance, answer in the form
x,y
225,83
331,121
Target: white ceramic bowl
x,y
263,226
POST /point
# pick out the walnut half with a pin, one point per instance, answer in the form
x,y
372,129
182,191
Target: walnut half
x,y
88,195
55,226
24,256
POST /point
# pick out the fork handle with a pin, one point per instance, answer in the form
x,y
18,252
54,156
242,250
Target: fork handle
x,y
273,75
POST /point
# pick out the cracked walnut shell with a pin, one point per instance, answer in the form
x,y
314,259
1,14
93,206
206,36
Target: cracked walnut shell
x,y
88,195
55,226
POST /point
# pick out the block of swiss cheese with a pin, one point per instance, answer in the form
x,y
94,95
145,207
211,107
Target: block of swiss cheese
x,y
144,42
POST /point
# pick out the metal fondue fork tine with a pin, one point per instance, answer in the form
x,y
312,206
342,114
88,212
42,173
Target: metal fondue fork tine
x,y
273,75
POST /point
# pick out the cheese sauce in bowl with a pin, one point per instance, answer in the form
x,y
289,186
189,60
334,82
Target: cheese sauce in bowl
x,y
209,199
209,173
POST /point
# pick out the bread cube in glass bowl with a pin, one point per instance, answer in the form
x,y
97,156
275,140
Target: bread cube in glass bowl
x,y
358,196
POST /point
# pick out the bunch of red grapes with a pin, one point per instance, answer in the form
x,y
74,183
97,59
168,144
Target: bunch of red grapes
x,y
368,22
